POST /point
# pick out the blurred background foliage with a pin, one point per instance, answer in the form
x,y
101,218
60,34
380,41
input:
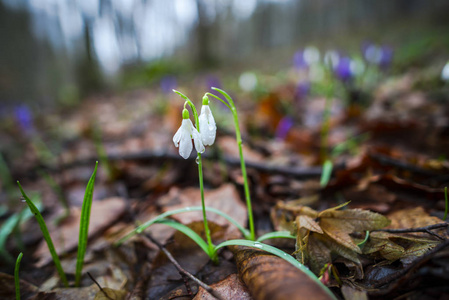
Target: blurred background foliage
x,y
55,52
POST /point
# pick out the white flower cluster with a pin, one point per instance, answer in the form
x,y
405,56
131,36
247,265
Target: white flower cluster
x,y
205,137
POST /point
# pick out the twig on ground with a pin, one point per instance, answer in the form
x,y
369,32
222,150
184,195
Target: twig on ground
x,y
426,229
181,270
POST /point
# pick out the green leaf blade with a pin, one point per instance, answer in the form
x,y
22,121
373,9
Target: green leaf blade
x,y
84,226
16,275
46,234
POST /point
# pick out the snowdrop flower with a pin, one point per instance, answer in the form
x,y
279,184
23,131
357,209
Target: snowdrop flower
x,y
208,129
445,72
183,137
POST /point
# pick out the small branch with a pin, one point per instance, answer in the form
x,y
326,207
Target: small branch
x,y
426,229
181,270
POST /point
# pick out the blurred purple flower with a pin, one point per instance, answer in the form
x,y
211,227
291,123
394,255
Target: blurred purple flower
x,y
212,81
364,48
302,89
343,69
386,57
283,127
167,84
24,118
299,61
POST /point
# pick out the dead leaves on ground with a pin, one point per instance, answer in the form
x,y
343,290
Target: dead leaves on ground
x,y
338,234
270,277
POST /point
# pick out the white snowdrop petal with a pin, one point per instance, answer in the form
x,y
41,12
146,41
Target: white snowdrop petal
x,y
208,127
177,136
197,141
185,145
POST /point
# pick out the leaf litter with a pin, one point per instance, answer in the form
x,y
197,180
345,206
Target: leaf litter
x,y
393,181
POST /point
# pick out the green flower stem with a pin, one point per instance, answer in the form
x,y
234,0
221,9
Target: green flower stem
x,y
200,174
46,234
238,136
16,275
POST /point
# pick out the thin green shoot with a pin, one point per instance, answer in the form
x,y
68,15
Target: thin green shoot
x,y
276,235
445,204
84,226
280,254
193,236
200,170
9,226
46,234
364,240
162,216
326,173
230,104
16,275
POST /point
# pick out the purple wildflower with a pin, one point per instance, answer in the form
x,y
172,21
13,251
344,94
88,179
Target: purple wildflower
x,y
386,57
24,118
343,69
167,84
298,60
283,127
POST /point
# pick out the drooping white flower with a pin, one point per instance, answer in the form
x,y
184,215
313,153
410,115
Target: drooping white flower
x,y
444,73
208,128
183,137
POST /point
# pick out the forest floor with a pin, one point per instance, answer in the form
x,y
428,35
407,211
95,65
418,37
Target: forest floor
x,y
388,145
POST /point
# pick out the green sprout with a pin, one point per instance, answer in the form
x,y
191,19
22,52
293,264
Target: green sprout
x,y
84,226
46,234
16,275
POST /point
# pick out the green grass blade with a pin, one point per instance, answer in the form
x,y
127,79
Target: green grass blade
x,y
189,232
280,254
16,275
84,226
276,235
46,234
326,173
145,225
8,227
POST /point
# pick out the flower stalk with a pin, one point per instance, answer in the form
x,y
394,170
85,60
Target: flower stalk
x,y
212,252
230,104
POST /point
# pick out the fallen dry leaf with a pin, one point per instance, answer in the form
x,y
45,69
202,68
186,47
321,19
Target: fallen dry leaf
x,y
229,288
270,277
225,199
65,236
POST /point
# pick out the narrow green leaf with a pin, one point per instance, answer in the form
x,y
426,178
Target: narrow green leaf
x,y
326,173
46,234
189,232
16,275
276,235
84,225
145,225
280,254
8,227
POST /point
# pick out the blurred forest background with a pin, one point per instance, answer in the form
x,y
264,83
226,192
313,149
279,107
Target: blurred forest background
x,y
57,52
